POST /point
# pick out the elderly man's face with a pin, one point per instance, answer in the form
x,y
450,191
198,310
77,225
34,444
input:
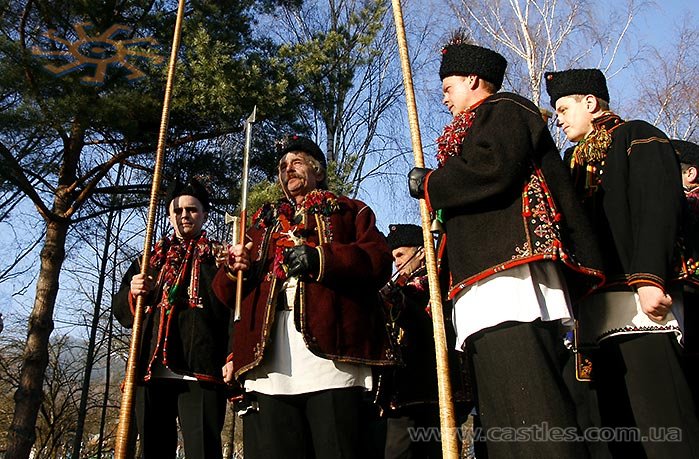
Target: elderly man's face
x,y
297,175
407,259
187,216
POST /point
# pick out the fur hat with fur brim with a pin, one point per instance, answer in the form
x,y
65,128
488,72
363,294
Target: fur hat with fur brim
x,y
688,152
574,82
404,235
192,187
296,142
463,59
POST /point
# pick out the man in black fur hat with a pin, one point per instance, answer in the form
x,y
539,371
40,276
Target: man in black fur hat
x,y
409,392
184,334
511,219
688,154
627,177
311,323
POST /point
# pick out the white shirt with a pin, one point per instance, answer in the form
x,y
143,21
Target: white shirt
x,y
524,293
289,368
607,314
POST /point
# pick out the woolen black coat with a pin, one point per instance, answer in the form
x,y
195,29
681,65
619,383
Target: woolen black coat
x,y
637,207
197,339
507,199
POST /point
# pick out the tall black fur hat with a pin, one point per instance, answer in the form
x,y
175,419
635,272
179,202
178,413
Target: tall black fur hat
x,y
576,81
688,152
404,235
296,142
462,58
192,187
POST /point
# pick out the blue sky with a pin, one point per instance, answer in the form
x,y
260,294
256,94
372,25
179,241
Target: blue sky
x,y
655,26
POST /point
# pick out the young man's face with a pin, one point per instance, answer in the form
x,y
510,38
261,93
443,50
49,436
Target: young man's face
x,y
575,117
187,216
457,93
690,176
407,259
297,175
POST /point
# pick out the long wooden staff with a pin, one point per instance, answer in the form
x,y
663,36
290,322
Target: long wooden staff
x,y
450,448
243,219
121,447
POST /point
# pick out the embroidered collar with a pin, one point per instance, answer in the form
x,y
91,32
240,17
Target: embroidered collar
x,y
692,190
179,260
291,218
608,120
321,202
593,148
449,143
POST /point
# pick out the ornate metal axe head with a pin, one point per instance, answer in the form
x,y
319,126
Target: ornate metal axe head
x,y
253,116
228,219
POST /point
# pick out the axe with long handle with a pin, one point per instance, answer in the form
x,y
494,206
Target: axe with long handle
x,y
240,222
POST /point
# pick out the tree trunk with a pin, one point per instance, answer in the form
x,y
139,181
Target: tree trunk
x,y
107,383
21,435
90,359
28,396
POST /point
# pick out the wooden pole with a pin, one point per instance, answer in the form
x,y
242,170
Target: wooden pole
x,y
121,449
447,423
242,221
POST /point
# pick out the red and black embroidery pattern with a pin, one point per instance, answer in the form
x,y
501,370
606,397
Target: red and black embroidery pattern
x,y
173,257
540,218
449,143
290,220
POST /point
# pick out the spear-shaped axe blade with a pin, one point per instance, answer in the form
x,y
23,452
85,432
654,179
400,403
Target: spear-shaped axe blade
x,y
232,221
242,221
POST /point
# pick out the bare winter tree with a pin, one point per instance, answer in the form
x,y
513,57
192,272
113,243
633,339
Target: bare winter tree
x,y
345,53
541,35
669,86
56,424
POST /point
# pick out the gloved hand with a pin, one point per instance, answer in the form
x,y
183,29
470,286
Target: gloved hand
x,y
302,261
416,181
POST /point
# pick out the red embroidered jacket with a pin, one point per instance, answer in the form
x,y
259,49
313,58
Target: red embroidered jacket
x,y
339,314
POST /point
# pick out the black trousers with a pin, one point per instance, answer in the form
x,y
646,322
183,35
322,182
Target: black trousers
x,y
399,442
640,384
200,407
322,425
525,409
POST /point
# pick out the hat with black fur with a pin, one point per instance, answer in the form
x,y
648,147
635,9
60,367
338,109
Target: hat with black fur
x,y
576,81
688,152
192,187
462,58
404,235
296,142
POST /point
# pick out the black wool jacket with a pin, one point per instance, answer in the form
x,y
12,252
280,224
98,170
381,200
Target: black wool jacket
x,y
637,202
197,337
507,199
